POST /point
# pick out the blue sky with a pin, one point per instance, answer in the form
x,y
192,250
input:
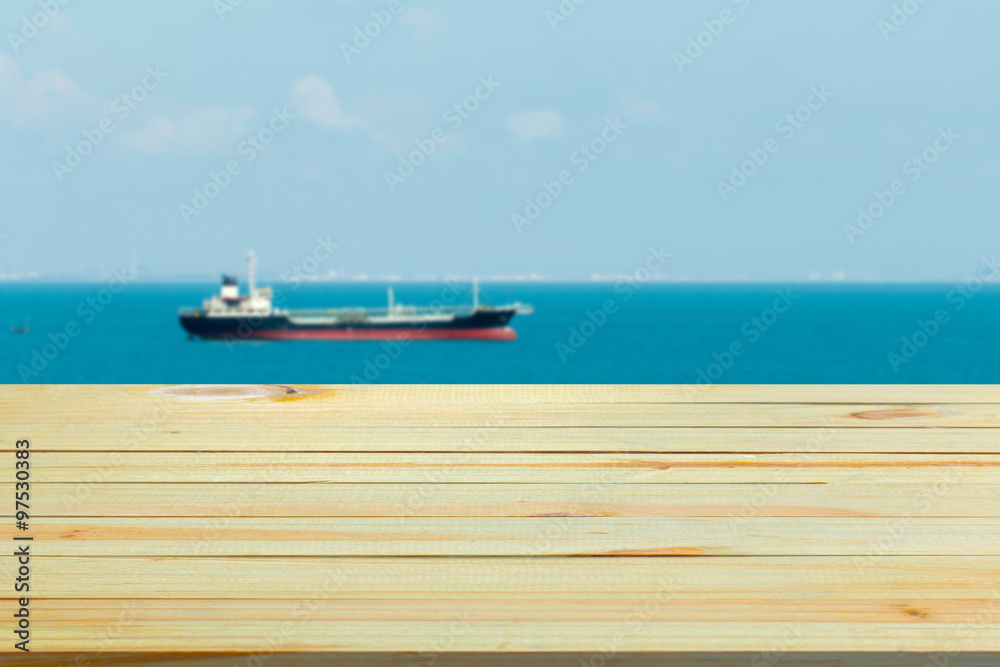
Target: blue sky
x,y
665,123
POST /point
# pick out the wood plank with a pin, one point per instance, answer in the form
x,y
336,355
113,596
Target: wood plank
x,y
697,604
402,525
37,396
488,500
594,470
540,579
517,636
533,536
179,415
434,655
306,437
332,407
581,610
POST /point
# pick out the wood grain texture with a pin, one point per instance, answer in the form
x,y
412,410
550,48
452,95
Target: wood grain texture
x,y
316,499
305,436
590,471
452,525
381,395
542,579
435,658
532,536
333,415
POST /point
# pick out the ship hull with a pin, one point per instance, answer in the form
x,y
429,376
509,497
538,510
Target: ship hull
x,y
482,325
501,334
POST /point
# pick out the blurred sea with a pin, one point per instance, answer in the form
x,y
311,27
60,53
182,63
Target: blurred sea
x,y
656,333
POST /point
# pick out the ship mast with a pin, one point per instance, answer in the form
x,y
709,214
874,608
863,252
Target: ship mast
x,y
390,301
251,278
475,294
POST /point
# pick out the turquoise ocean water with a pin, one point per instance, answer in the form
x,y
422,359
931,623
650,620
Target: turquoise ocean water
x,y
586,333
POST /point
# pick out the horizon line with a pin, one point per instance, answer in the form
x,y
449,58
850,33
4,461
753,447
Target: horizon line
x,y
382,280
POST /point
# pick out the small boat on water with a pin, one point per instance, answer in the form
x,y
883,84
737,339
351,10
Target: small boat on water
x,y
231,316
21,328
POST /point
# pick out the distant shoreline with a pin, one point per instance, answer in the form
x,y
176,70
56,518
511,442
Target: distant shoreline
x,y
495,281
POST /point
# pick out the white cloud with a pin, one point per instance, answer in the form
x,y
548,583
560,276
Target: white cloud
x,y
37,99
529,125
51,95
313,98
188,130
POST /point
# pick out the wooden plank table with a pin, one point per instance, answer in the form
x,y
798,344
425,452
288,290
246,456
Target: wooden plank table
x,y
423,526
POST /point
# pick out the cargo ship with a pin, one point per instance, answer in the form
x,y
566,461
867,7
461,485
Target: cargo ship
x,y
231,316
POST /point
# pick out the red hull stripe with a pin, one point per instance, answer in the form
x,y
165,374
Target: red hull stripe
x,y
505,333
